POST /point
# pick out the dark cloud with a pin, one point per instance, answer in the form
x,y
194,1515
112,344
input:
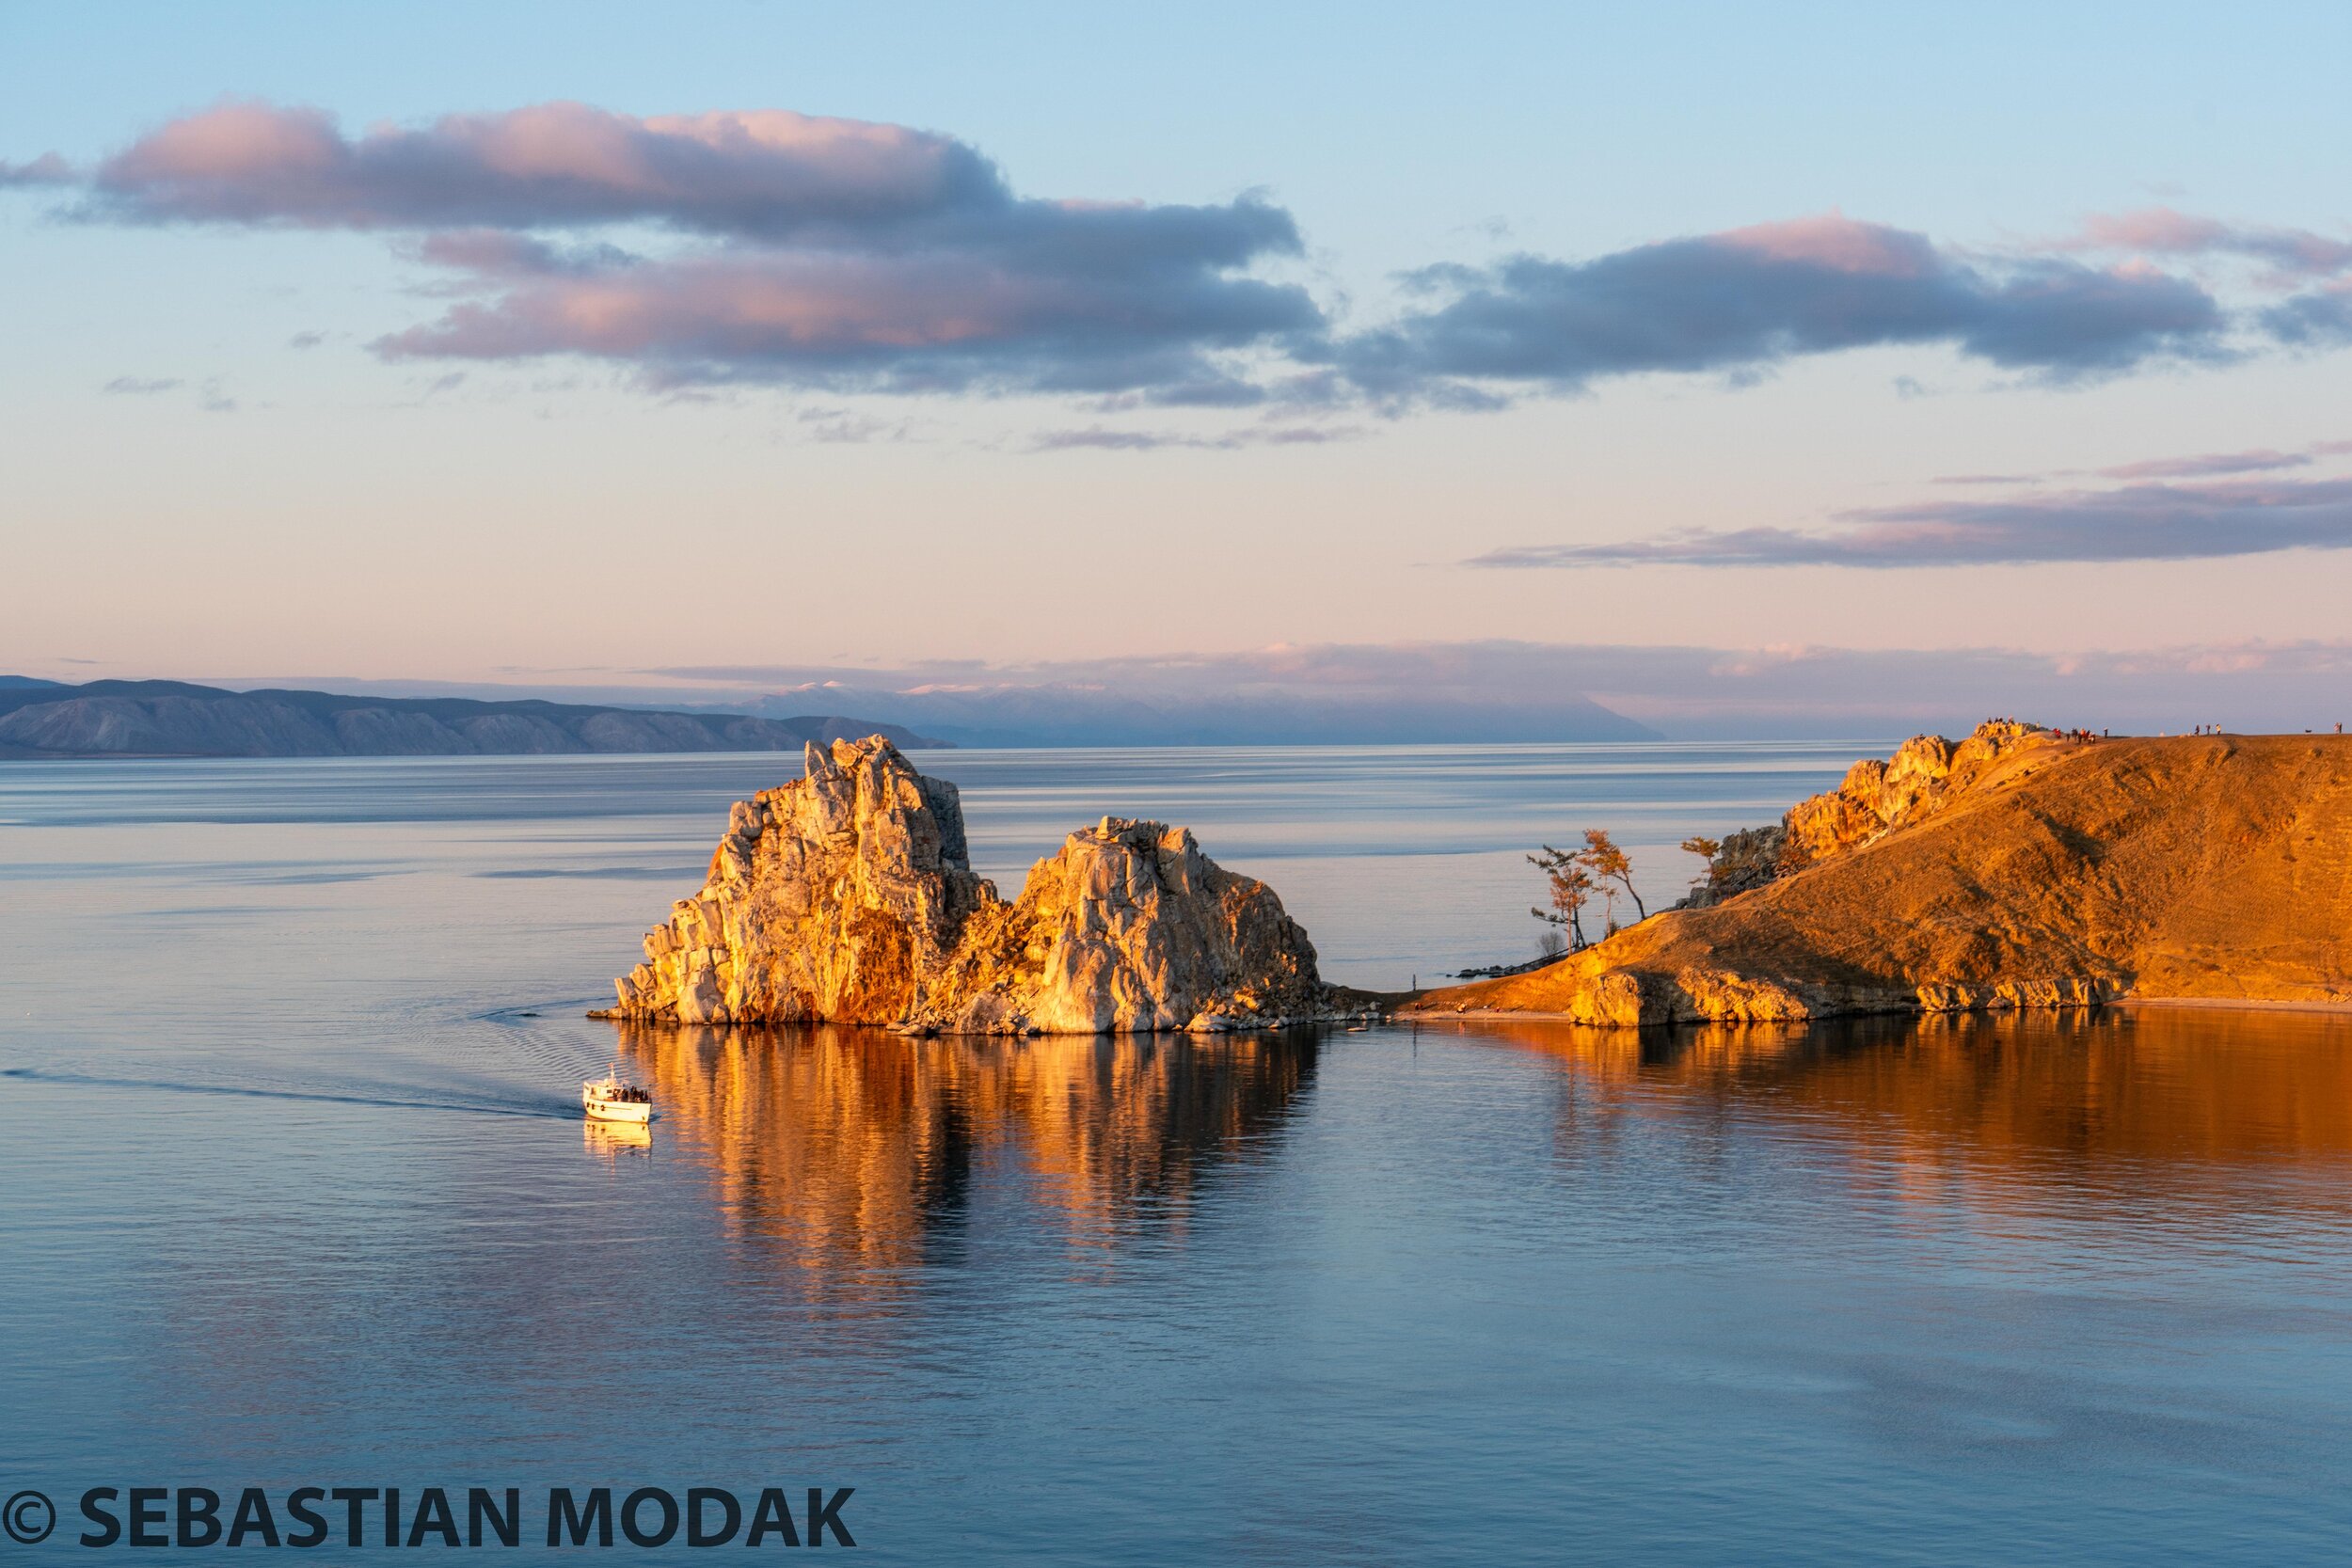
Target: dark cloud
x,y
828,252
2139,522
1092,318
2322,319
2319,318
1748,298
47,169
769,173
1101,439
768,246
504,254
133,386
306,340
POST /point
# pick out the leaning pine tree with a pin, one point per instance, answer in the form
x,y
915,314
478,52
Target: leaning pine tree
x,y
1612,869
1571,890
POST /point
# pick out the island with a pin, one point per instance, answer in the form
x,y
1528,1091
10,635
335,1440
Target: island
x,y
2020,867
847,896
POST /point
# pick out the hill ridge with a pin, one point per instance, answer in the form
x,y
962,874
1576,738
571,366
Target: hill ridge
x,y
2052,872
161,718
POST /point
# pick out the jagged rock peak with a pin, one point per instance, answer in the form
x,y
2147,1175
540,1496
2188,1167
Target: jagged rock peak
x,y
847,896
837,895
1876,796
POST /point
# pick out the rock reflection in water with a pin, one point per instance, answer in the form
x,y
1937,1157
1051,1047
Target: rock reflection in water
x,y
2126,1110
852,1152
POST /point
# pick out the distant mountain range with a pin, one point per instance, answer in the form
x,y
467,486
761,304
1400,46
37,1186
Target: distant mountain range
x,y
47,719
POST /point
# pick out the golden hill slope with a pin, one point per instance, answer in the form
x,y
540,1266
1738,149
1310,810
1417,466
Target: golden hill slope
x,y
2044,872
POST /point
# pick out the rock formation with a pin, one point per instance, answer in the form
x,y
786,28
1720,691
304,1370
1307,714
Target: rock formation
x,y
1875,798
847,896
2012,869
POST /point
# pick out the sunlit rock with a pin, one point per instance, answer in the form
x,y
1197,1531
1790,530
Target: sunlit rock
x,y
2017,869
847,896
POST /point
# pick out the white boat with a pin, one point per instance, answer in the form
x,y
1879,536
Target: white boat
x,y
607,1098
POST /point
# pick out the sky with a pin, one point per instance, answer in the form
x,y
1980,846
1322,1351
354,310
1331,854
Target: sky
x,y
2002,352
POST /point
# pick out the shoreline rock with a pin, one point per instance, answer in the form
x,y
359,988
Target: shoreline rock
x,y
847,896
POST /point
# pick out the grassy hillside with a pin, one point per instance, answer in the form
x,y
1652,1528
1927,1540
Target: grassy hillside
x,y
2064,871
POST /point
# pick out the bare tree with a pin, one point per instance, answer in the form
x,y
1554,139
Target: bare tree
x,y
1571,890
1706,849
1609,864
1551,944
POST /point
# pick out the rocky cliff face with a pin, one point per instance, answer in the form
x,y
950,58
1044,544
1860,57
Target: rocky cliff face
x,y
847,896
840,895
2012,870
1875,798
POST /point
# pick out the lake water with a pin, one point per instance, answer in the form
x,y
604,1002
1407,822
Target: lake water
x,y
294,1190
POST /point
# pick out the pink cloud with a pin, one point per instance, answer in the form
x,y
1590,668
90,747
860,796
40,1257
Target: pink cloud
x,y
934,317
2158,229
2135,522
760,172
1839,242
2293,253
834,251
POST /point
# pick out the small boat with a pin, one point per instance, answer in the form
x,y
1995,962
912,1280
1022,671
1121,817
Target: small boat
x,y
607,1098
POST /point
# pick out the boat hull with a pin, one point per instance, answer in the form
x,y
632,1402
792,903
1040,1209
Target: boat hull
x,y
634,1112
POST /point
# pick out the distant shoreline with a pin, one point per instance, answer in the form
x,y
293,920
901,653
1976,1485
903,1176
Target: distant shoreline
x,y
179,721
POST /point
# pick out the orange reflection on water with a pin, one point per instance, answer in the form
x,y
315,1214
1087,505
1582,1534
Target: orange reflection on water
x,y
841,1147
2123,1106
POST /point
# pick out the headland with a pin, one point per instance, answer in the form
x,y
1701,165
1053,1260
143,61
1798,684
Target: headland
x,y
2017,868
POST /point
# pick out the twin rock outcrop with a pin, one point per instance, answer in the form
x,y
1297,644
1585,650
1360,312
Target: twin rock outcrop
x,y
847,896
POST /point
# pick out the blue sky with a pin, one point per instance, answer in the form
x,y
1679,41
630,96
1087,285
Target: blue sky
x,y
241,506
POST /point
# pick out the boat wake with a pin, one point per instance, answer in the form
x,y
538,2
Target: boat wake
x,y
552,1109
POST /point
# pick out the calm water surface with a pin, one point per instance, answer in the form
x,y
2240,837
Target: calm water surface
x,y
294,1190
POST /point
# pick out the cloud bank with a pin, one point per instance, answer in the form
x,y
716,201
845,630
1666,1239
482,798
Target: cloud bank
x,y
1752,298
1518,692
2134,522
1282,695
768,246
804,250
